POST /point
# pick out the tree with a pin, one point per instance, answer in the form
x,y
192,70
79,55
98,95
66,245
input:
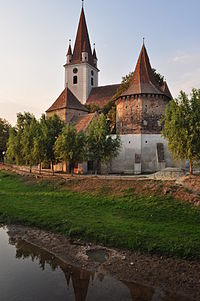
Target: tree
x,y
15,147
70,146
29,137
14,154
39,143
182,127
101,146
159,78
52,128
92,108
4,136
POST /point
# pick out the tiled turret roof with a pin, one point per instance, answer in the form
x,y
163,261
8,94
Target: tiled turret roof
x,y
144,81
67,100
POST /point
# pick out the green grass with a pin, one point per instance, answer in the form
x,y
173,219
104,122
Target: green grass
x,y
158,225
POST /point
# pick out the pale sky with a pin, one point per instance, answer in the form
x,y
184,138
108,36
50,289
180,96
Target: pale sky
x,y
34,41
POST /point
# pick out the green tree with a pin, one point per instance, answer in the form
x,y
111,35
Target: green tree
x,y
92,108
29,136
70,146
182,127
159,78
101,146
39,143
4,136
52,128
15,147
13,153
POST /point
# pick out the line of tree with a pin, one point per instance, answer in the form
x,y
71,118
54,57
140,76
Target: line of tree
x,y
49,140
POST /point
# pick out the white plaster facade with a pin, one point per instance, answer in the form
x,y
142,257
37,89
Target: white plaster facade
x,y
85,74
144,147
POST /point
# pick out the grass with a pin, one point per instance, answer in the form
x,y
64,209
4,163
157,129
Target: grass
x,y
156,225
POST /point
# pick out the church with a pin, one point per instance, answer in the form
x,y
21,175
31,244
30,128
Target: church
x,y
138,110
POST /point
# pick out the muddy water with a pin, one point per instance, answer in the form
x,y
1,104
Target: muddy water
x,y
28,273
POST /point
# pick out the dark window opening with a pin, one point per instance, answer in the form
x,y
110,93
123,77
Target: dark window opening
x,y
90,166
92,81
75,80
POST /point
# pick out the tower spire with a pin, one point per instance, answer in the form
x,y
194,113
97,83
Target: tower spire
x,y
82,3
82,43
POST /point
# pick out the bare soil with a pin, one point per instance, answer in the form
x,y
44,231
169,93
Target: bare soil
x,y
186,188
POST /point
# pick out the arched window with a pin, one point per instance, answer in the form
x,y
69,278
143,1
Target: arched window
x,y
75,80
92,81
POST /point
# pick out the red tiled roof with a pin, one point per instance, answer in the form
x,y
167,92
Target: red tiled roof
x,y
100,96
67,100
82,43
82,122
143,81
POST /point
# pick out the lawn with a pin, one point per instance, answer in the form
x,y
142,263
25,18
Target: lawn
x,y
156,225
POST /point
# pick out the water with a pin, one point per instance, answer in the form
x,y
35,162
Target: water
x,y
99,256
28,273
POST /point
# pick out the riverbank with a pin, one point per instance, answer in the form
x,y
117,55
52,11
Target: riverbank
x,y
177,276
118,215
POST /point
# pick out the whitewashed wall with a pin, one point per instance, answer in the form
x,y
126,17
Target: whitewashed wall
x,y
146,146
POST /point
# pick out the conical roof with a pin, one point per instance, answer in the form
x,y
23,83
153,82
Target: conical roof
x,y
82,43
143,81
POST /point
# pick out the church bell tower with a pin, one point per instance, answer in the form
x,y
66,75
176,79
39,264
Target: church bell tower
x,y
81,72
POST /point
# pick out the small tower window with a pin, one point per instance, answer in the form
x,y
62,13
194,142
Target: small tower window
x,y
92,72
92,81
75,70
75,80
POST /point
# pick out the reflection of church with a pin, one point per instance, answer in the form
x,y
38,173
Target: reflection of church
x,y
138,110
88,286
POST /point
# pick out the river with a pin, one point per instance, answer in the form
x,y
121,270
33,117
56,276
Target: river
x,y
28,273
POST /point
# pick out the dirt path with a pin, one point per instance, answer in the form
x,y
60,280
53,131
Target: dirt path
x,y
175,275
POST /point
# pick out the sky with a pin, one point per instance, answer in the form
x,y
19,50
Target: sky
x,y
34,41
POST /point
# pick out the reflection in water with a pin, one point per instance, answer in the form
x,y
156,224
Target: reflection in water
x,y
80,278
86,284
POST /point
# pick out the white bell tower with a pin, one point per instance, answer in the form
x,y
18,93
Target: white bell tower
x,y
81,72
